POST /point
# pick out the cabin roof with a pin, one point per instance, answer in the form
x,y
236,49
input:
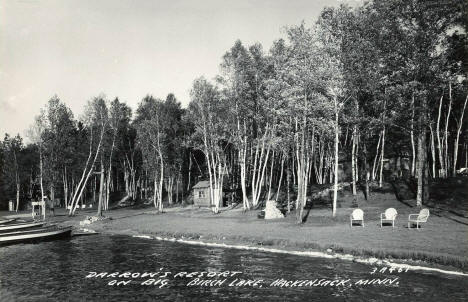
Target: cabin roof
x,y
202,184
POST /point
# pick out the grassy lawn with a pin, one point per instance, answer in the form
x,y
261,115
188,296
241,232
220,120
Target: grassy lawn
x,y
440,240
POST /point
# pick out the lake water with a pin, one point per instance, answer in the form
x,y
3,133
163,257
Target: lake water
x,y
66,271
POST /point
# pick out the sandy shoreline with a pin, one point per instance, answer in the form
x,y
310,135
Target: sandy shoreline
x,y
402,264
324,238
441,244
316,254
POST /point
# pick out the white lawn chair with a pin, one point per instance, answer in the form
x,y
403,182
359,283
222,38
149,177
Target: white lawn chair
x,y
389,216
418,218
357,216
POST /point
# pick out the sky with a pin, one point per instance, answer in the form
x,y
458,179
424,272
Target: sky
x,y
126,49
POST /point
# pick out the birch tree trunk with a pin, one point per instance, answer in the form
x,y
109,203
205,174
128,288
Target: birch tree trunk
x,y
146,184
377,153
41,168
127,190
18,185
242,154
420,170
78,190
109,173
155,194
353,161
31,183
413,150
65,187
71,192
446,154
261,159
335,187
421,154
108,184
177,188
433,152
101,190
242,162
356,152
288,181
52,194
81,186
382,154
189,171
439,142
271,174
17,181
94,189
457,140
366,170
281,177
169,189
382,158
160,198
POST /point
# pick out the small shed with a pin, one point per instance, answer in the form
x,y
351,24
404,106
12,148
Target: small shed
x,y
201,194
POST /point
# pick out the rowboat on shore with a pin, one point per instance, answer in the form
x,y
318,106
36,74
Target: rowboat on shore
x,y
20,226
5,221
27,231
35,235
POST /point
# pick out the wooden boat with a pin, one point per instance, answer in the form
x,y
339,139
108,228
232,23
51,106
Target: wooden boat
x,y
20,226
41,234
5,221
26,231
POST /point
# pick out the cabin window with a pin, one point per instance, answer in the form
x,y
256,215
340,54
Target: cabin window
x,y
201,194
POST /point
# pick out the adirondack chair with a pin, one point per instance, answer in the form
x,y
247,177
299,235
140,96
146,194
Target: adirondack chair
x,y
389,216
357,216
418,218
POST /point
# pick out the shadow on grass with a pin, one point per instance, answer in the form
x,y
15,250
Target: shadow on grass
x,y
304,219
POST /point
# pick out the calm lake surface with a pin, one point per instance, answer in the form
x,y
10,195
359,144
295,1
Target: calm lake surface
x,y
58,270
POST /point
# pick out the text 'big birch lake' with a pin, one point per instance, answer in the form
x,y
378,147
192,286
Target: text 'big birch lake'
x,y
134,269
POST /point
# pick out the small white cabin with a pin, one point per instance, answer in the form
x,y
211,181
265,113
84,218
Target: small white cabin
x,y
201,194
